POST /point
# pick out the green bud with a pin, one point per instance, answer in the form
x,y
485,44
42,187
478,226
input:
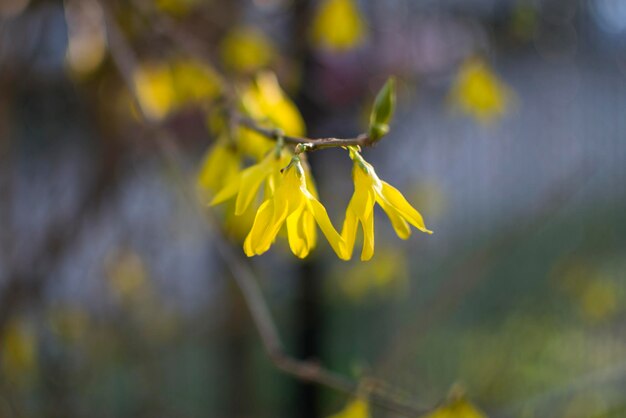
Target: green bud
x,y
382,111
378,130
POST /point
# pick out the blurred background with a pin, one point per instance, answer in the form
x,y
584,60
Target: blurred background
x,y
509,137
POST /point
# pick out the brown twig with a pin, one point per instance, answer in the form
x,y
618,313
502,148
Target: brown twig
x,y
309,371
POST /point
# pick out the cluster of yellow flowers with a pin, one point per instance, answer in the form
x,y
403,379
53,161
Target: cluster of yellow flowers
x,y
279,187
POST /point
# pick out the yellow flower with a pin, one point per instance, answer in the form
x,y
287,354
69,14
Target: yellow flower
x,y
265,101
245,184
338,25
19,351
155,89
221,164
246,49
292,203
478,92
194,81
369,190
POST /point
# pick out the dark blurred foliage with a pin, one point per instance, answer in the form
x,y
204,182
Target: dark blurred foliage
x,y
113,302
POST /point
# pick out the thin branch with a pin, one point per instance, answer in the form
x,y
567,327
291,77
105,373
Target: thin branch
x,y
312,144
309,371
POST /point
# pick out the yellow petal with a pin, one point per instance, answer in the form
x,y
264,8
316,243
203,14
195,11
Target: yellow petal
x,y
363,196
269,218
299,231
229,191
321,217
251,180
397,221
404,208
349,230
368,237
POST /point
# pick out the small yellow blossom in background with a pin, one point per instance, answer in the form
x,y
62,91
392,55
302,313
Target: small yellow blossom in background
x,y
176,7
369,190
478,92
457,408
163,87
265,101
19,351
599,299
293,204
221,164
246,49
68,323
338,26
591,287
194,81
155,89
385,275
358,408
127,274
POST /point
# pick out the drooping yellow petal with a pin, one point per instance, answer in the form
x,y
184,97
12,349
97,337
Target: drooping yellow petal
x,y
228,191
251,180
349,230
397,221
256,239
301,234
321,217
368,237
404,208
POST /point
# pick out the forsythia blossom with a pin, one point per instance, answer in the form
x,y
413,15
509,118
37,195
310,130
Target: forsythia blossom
x,y
292,203
245,185
478,92
369,190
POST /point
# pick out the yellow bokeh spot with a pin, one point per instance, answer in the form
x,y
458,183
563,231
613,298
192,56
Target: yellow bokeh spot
x,y
338,26
385,274
194,81
19,351
358,408
598,300
478,92
176,7
69,324
127,274
166,86
246,49
155,89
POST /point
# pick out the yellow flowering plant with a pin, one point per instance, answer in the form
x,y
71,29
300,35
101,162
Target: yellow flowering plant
x,y
288,199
